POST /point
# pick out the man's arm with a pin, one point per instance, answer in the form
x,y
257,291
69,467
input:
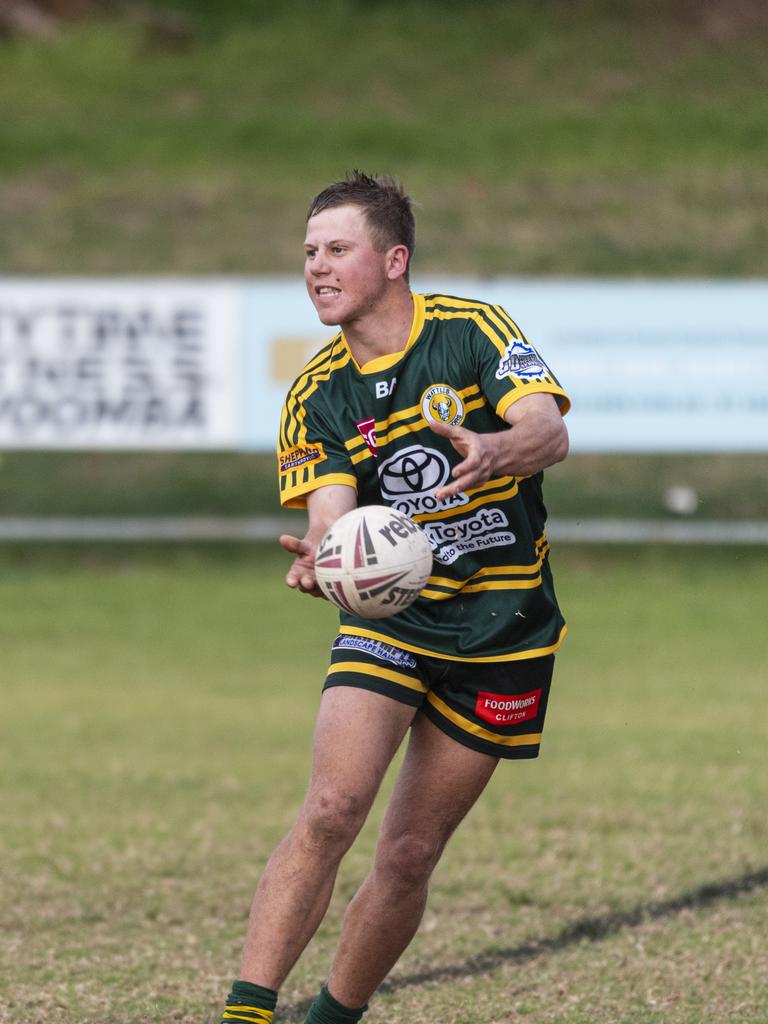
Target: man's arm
x,y
324,506
538,438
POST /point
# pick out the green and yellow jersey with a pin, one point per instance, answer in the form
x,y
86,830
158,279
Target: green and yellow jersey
x,y
490,596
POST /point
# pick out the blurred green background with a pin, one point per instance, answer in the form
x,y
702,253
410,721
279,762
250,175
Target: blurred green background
x,y
552,138
538,138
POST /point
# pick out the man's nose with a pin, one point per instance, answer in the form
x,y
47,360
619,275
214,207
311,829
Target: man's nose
x,y
319,265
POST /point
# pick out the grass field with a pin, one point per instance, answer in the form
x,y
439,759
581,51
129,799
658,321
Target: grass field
x,y
156,713
156,705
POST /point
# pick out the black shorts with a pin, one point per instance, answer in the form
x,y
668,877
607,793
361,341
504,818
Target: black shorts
x,y
496,707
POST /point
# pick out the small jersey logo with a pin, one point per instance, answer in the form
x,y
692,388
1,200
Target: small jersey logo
x,y
384,388
520,360
441,404
300,455
507,709
368,429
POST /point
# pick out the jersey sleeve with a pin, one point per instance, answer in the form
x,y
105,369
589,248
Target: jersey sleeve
x,y
309,452
509,367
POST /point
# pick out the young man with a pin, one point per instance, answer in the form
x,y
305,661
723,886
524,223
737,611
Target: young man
x,y
440,407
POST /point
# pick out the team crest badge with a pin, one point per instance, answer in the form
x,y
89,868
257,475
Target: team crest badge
x,y
441,404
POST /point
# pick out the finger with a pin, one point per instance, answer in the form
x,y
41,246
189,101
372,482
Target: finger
x,y
444,429
468,467
465,475
456,435
293,544
300,568
450,490
307,583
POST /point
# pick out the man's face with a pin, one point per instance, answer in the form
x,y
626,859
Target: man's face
x,y
345,276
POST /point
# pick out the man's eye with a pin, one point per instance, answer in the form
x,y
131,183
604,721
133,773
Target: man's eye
x,y
338,248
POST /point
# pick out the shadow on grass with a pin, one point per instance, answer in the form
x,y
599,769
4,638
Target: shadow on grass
x,y
586,929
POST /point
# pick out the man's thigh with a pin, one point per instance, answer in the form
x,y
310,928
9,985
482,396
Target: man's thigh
x,y
357,733
438,782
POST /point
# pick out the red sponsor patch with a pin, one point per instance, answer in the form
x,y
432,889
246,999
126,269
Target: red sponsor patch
x,y
507,708
368,429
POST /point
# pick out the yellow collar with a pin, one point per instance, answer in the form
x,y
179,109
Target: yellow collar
x,y
385,362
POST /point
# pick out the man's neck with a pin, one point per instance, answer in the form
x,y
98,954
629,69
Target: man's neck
x,y
384,330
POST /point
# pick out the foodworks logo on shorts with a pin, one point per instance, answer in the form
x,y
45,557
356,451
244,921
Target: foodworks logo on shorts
x,y
508,709
409,480
487,528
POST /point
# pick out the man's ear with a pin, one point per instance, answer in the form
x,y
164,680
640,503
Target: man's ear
x,y
397,261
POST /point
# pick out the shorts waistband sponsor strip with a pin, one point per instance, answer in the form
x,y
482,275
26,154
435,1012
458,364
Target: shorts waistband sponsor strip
x,y
375,649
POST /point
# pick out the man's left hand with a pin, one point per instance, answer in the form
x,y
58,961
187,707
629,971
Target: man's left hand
x,y
479,453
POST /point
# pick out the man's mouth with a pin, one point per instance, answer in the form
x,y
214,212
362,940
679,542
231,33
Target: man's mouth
x,y
327,290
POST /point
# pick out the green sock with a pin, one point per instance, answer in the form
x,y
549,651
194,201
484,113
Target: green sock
x,y
251,1003
327,1010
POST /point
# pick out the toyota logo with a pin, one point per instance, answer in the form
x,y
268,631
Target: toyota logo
x,y
414,470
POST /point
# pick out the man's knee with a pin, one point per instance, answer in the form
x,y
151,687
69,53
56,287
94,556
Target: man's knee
x,y
406,861
332,818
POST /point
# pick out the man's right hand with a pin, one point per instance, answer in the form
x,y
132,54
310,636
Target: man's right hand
x,y
324,506
301,575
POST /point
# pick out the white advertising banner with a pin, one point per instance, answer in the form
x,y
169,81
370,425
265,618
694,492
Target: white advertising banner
x,y
651,366
120,364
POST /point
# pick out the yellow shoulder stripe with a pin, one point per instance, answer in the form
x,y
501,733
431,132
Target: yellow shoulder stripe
x,y
294,410
496,341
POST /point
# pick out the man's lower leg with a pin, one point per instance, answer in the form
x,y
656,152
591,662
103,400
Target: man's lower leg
x,y
290,902
357,734
379,924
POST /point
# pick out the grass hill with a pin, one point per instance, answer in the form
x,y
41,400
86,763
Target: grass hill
x,y
551,138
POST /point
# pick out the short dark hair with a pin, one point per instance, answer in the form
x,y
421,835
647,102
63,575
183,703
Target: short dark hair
x,y
387,207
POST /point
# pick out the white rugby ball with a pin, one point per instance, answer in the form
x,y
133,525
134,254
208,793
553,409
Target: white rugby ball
x,y
373,561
